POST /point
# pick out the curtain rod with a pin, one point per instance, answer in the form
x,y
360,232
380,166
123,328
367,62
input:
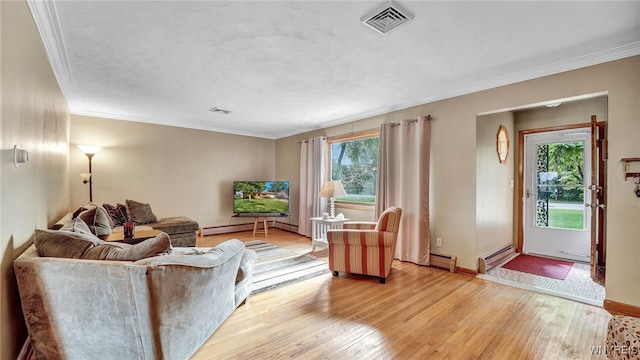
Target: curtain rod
x,y
427,117
304,141
397,123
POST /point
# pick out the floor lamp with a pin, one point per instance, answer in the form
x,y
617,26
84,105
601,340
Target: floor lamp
x,y
332,189
89,150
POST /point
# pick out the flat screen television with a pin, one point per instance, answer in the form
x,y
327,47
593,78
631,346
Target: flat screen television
x,y
261,198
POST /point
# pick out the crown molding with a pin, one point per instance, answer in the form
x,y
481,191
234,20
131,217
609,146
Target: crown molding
x,y
45,17
112,116
596,58
579,62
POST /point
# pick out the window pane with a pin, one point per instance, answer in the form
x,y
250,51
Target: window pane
x,y
355,164
561,189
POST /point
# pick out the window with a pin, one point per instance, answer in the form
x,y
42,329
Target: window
x,y
354,161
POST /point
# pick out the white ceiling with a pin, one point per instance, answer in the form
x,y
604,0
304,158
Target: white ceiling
x,y
287,67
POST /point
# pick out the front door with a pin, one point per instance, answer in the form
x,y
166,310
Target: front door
x,y
556,173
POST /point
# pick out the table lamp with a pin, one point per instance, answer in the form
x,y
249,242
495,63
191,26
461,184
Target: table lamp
x,y
332,189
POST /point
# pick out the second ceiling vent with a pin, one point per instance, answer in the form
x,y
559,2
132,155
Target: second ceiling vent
x,y
387,17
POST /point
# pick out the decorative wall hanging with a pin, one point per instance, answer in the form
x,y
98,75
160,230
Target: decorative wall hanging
x,y
502,144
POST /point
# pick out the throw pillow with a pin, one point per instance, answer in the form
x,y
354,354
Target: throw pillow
x,y
159,245
76,225
76,245
64,244
96,217
117,216
140,212
124,212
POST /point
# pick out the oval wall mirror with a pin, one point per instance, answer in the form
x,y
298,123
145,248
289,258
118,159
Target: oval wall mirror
x,y
502,144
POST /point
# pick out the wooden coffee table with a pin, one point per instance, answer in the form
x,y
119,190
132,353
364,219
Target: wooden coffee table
x,y
139,236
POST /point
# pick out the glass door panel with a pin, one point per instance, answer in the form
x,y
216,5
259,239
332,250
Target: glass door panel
x,y
560,185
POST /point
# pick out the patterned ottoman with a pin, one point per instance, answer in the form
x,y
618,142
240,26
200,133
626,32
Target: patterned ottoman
x,y
623,338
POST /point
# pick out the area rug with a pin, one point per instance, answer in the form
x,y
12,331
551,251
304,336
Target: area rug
x,y
537,265
277,267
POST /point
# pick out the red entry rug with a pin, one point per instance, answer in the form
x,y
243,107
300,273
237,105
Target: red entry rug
x,y
552,268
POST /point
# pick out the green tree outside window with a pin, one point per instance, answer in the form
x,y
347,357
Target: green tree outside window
x,y
355,164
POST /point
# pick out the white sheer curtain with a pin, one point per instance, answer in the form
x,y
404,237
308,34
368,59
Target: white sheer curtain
x,y
403,181
312,175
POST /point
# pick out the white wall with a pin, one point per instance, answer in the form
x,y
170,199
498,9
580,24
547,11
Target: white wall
x,y
179,172
35,116
190,168
568,113
494,185
454,161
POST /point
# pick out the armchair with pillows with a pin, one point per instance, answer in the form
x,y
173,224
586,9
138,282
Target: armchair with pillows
x,y
365,248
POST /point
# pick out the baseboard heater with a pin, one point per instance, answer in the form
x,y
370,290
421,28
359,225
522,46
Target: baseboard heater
x,y
286,227
226,229
494,258
443,261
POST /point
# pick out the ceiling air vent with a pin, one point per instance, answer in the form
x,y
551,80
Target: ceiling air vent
x,y
387,17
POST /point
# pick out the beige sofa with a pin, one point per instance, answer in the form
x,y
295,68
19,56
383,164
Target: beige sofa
x,y
181,229
159,307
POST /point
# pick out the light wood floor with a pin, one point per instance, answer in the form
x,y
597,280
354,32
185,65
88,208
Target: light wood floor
x,y
421,313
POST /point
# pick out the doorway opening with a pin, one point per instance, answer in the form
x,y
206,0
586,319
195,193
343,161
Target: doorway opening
x,y
565,202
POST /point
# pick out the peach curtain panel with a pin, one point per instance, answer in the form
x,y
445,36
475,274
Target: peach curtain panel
x,y
403,181
313,173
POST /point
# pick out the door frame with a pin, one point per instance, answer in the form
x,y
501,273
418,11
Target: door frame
x,y
520,194
576,244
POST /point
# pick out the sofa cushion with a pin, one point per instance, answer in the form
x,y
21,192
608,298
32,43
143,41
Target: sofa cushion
x,y
140,212
204,257
118,213
78,245
159,245
175,225
76,225
64,244
96,217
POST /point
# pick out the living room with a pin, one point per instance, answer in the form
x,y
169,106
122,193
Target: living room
x,y
189,172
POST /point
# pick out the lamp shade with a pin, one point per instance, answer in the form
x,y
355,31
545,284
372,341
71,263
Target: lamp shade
x,y
332,189
89,149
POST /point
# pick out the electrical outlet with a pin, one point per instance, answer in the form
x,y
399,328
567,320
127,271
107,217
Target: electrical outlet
x,y
438,242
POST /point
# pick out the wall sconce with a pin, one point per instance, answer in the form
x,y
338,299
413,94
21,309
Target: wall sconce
x,y
89,150
20,156
332,189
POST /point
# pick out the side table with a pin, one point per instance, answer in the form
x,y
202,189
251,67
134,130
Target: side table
x,y
319,227
265,227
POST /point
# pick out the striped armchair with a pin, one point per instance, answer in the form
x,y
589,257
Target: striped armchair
x,y
365,248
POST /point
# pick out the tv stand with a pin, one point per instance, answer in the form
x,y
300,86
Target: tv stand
x,y
265,227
